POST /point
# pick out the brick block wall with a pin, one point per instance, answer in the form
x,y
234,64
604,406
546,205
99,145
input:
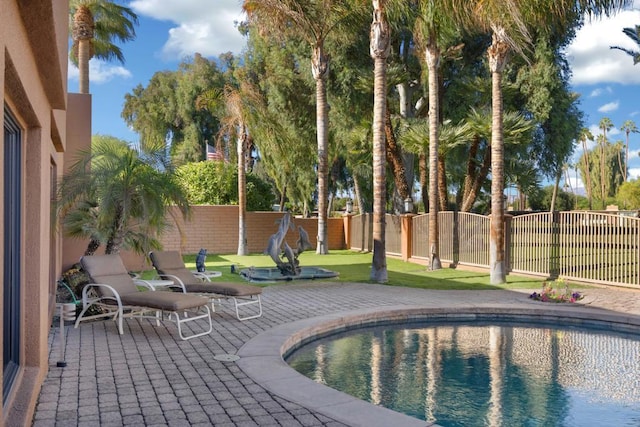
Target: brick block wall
x,y
216,229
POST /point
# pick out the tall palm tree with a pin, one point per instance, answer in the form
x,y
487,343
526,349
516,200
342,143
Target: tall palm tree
x,y
509,22
435,24
380,43
586,135
605,125
633,34
123,198
628,127
312,21
95,25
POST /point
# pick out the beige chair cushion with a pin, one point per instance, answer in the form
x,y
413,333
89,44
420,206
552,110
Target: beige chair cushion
x,y
227,289
109,270
170,263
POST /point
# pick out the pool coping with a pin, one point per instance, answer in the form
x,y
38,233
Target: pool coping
x,y
262,357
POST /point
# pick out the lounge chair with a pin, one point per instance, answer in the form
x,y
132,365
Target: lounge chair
x,y
169,265
116,292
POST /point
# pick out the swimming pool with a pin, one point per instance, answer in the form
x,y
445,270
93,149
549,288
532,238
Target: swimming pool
x,y
484,373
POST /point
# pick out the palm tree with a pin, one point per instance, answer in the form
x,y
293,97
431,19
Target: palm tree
x,y
628,127
380,42
509,22
434,24
605,125
313,21
633,34
94,25
121,197
586,135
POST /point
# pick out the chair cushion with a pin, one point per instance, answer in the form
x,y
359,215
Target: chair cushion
x,y
109,270
164,300
170,263
227,289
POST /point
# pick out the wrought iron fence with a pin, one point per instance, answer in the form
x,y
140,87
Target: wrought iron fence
x,y
587,246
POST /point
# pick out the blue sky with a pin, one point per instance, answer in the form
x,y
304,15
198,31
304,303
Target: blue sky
x,y
171,30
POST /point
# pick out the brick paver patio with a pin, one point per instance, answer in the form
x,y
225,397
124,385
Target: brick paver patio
x,y
148,376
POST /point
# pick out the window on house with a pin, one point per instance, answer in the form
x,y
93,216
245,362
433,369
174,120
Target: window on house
x,y
12,181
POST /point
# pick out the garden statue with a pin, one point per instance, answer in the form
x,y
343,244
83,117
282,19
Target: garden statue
x,y
286,258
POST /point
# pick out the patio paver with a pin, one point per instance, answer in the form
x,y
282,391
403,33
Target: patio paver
x,y
148,376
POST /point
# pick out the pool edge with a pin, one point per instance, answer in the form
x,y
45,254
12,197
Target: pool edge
x,y
262,357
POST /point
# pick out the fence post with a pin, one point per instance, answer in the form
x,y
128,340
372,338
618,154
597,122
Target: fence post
x,y
507,242
406,227
346,220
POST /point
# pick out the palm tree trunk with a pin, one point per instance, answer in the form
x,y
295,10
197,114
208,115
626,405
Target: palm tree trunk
x,y
432,57
497,60
587,173
626,158
423,168
83,32
242,192
92,247
379,47
320,68
394,157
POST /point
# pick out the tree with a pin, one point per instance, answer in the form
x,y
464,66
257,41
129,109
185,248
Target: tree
x,y
605,125
380,36
633,34
216,183
312,21
586,135
165,113
628,127
435,24
629,194
510,22
94,26
121,196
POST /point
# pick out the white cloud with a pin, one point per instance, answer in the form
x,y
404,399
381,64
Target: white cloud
x,y
591,58
609,107
203,26
99,72
600,91
634,173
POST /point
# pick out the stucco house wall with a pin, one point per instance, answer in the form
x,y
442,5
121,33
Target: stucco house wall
x,y
33,86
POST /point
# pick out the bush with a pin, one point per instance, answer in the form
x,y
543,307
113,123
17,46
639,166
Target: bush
x,y
216,183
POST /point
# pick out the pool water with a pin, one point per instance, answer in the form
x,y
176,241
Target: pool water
x,y
484,374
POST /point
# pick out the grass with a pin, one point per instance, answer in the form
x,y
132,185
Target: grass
x,y
356,266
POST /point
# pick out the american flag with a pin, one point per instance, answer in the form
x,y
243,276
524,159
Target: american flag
x,y
213,154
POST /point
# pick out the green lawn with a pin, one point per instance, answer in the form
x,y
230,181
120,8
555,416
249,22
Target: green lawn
x,y
355,267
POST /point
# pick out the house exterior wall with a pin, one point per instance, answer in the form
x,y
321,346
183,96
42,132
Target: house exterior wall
x,y
33,86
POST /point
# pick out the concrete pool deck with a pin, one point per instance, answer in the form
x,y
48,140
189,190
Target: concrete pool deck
x,y
148,376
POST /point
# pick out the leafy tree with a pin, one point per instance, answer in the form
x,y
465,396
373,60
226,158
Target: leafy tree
x,y
166,115
94,26
215,183
606,176
313,22
542,199
116,197
629,194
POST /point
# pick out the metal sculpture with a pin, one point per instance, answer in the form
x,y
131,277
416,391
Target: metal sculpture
x,y
284,256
